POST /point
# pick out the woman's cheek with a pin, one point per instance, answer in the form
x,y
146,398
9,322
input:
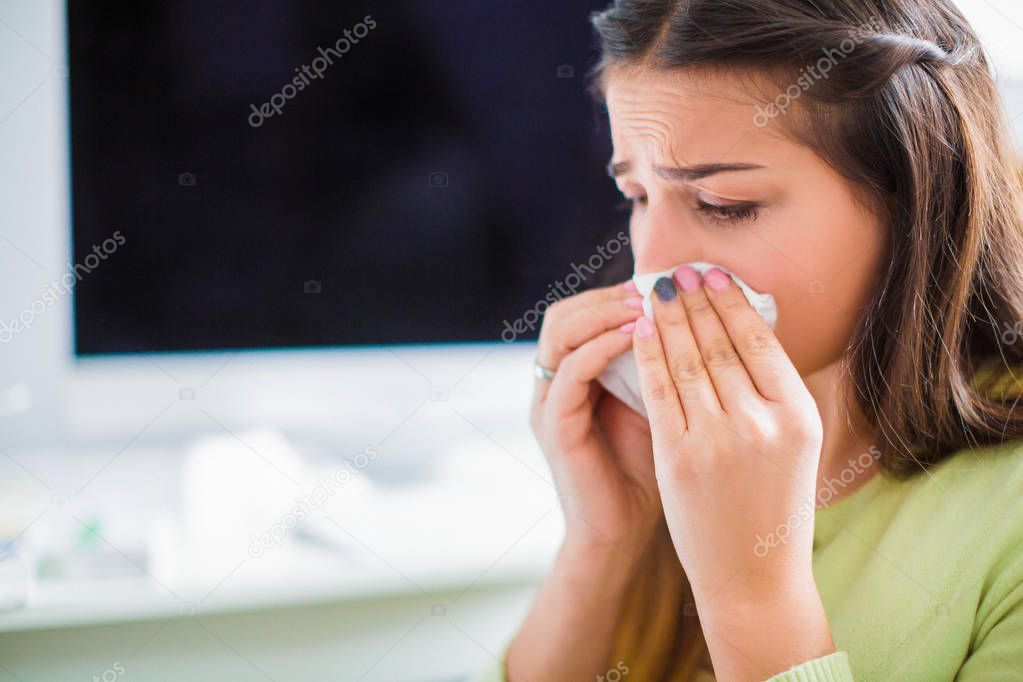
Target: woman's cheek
x,y
812,330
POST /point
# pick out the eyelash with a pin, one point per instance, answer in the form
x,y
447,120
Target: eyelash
x,y
722,215
728,215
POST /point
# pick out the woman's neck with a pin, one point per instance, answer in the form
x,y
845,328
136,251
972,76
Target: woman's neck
x,y
849,458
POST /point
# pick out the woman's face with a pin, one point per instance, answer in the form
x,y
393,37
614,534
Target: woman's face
x,y
775,214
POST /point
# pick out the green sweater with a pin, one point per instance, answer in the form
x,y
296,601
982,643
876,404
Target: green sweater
x,y
921,579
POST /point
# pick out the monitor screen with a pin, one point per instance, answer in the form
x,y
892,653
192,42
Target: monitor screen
x,y
264,174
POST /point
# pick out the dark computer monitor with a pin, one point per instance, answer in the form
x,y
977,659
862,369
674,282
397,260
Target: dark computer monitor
x,y
312,174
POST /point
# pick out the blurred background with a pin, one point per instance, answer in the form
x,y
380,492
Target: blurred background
x,y
273,275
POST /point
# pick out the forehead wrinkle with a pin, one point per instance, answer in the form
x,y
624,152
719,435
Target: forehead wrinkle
x,y
661,134
648,130
654,112
679,133
666,107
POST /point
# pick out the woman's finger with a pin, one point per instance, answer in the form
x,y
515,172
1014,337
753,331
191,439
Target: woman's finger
x,y
668,421
571,322
766,362
685,364
570,388
731,381
582,324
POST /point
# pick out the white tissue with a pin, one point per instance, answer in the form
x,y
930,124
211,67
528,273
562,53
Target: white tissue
x,y
621,378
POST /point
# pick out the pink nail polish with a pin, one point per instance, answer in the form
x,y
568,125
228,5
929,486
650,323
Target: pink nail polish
x,y
716,279
629,285
688,278
634,302
645,327
628,327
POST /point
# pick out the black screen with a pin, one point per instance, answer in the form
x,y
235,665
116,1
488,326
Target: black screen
x,y
439,168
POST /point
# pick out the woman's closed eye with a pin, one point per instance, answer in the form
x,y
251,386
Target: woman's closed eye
x,y
728,215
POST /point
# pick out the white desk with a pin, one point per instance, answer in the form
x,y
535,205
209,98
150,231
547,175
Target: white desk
x,y
431,604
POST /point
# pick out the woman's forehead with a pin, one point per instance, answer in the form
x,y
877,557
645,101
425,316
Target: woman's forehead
x,y
677,120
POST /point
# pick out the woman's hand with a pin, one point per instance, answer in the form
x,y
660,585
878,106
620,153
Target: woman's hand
x,y
737,440
599,450
601,455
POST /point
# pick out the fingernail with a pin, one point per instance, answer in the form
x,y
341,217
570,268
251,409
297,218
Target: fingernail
x,y
688,278
716,279
644,327
628,327
665,289
630,285
634,302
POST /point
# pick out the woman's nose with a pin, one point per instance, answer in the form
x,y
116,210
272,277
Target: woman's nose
x,y
663,238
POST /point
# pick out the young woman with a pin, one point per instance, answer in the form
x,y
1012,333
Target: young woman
x,y
840,497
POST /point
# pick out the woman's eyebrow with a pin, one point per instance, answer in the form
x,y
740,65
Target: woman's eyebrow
x,y
684,174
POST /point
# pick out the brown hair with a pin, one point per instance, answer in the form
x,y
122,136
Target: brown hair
x,y
910,115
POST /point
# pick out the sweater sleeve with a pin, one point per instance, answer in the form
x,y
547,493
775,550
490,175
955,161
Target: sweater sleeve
x,y
831,668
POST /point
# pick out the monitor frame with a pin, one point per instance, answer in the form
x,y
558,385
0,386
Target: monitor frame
x,y
51,397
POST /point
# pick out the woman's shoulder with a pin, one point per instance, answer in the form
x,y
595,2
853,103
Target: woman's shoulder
x,y
970,523
971,502
937,558
992,471
973,480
